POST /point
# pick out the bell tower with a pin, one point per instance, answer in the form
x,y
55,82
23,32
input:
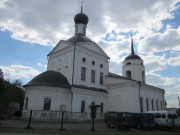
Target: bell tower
x,y
133,67
81,21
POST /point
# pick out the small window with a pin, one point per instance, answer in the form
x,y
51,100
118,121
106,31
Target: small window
x,y
170,116
82,106
93,76
163,115
157,115
84,60
151,116
93,63
101,65
128,63
83,73
101,78
47,103
174,116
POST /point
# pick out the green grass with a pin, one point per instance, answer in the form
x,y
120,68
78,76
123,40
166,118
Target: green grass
x,y
9,131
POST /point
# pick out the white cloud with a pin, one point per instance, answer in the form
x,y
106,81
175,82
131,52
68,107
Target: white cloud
x,y
45,22
39,64
160,81
13,72
42,65
154,63
160,42
174,61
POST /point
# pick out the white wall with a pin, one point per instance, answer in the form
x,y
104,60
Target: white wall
x,y
123,97
89,55
152,93
62,61
136,69
36,95
88,96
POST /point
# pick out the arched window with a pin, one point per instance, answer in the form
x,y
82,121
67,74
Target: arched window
x,y
157,105
128,74
161,105
147,104
82,106
143,76
84,60
128,63
152,102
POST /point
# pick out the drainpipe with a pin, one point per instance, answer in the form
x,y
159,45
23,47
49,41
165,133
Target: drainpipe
x,y
72,76
140,96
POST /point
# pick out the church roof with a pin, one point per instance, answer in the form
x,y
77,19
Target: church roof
x,y
90,88
132,56
78,38
116,75
50,78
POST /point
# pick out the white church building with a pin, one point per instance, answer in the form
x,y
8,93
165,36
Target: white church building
x,y
78,76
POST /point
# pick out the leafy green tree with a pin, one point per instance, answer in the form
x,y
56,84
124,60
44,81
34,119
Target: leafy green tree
x,y
11,92
1,74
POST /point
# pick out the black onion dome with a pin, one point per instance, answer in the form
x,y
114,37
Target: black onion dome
x,y
50,78
132,56
81,18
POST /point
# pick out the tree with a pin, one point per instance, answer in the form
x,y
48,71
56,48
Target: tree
x,y
11,92
18,83
1,74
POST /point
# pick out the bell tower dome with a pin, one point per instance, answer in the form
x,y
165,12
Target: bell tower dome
x,y
133,67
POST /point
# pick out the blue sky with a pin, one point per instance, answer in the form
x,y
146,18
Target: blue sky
x,y
30,29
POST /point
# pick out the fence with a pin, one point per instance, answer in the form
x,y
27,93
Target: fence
x,y
56,120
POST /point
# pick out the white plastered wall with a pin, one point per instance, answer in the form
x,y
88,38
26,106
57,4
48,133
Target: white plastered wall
x,y
36,94
88,96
